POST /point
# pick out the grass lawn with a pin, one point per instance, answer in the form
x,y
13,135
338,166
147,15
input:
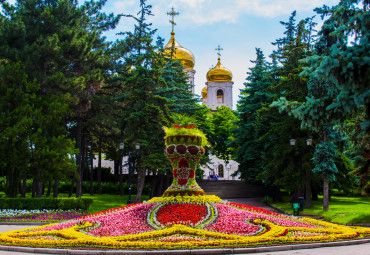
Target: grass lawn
x,y
342,209
105,201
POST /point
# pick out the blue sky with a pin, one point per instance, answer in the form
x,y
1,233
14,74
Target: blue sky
x,y
238,26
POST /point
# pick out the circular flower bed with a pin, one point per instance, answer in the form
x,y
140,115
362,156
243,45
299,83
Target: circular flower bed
x,y
182,222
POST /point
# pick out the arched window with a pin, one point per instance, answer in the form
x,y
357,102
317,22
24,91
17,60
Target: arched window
x,y
220,96
221,171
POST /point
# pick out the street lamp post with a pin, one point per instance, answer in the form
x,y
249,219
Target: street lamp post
x,y
130,155
301,152
228,167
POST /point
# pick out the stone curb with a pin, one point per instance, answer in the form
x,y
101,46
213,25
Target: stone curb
x,y
29,223
188,252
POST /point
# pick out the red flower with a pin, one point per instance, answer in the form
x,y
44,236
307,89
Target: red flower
x,y
193,149
182,181
175,173
170,149
181,214
183,163
192,174
181,148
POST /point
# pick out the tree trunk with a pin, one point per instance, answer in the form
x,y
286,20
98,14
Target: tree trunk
x,y
24,186
91,170
120,177
39,189
116,168
11,182
326,195
78,160
49,189
99,168
159,189
72,187
19,186
308,200
38,184
168,180
34,187
153,182
140,183
83,160
56,186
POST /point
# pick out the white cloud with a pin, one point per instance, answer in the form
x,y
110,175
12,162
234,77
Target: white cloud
x,y
202,12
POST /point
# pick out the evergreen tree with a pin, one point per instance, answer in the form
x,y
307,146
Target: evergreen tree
x,y
345,66
335,89
33,141
282,167
145,112
176,89
62,47
252,97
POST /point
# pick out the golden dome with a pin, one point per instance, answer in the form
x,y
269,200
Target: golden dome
x,y
204,92
182,54
219,73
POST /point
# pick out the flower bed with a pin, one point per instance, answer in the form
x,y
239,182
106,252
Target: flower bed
x,y
194,222
10,215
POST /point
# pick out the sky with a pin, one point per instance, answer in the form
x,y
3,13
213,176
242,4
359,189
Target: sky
x,y
238,26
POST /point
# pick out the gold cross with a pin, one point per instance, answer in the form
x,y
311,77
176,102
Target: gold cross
x,y
219,49
173,14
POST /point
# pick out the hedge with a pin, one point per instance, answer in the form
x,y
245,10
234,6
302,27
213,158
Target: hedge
x,y
45,203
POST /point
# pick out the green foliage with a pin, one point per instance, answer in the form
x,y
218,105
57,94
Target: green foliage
x,y
145,112
61,46
222,122
345,180
338,78
323,160
45,203
176,89
32,139
185,127
343,63
248,149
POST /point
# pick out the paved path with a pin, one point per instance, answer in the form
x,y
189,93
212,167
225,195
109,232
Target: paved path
x,y
255,201
359,249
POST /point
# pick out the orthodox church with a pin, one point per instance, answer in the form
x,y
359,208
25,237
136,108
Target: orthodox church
x,y
217,92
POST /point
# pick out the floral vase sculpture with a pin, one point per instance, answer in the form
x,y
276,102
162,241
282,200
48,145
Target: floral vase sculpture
x,y
184,150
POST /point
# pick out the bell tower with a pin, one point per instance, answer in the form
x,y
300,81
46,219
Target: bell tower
x,y
219,85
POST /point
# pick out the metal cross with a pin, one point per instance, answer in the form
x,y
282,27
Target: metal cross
x,y
173,14
219,49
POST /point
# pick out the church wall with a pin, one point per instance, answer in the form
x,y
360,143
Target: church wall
x,y
213,87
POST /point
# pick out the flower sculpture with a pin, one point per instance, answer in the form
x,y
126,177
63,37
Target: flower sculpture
x,y
184,150
183,218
